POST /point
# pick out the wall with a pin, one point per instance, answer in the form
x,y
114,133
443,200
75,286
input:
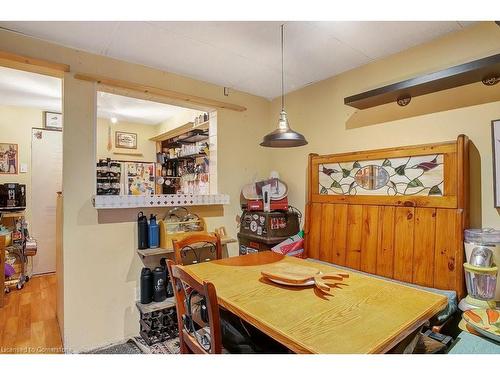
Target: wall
x,y
100,263
179,119
318,112
144,146
15,127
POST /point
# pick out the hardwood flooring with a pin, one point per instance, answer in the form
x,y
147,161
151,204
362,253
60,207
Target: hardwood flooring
x,y
28,321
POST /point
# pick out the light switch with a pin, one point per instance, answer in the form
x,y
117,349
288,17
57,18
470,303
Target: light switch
x,y
23,168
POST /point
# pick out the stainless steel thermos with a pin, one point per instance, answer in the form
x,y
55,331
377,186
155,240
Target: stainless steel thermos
x,y
160,284
146,286
142,231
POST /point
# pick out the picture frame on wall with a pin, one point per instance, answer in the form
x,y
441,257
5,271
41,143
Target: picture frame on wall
x,y
9,158
52,120
495,135
126,140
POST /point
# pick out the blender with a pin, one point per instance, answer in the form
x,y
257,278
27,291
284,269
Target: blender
x,y
482,250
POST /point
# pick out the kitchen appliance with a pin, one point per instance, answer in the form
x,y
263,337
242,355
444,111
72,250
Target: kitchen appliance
x,y
481,278
260,231
146,286
266,195
142,231
482,253
159,284
12,197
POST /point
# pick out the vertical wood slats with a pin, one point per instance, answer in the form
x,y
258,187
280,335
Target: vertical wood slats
x,y
416,245
446,248
423,250
354,229
385,248
369,239
404,221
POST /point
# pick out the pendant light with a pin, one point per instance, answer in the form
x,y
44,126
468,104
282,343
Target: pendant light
x,y
284,136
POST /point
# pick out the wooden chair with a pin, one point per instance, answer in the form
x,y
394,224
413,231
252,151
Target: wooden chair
x,y
197,248
193,338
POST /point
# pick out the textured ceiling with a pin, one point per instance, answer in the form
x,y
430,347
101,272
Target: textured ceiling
x,y
242,55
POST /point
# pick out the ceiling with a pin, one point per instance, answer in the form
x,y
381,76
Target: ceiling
x,y
25,89
242,55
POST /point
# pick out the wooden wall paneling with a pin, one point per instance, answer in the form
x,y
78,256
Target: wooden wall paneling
x,y
385,247
423,249
339,234
354,230
314,230
369,239
446,248
403,243
450,175
326,243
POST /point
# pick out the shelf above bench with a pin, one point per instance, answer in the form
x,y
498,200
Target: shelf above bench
x,y
459,75
158,200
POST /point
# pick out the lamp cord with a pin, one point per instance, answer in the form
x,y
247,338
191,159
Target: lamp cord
x,y
282,71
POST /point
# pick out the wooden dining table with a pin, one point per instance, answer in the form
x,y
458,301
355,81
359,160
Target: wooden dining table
x,y
363,314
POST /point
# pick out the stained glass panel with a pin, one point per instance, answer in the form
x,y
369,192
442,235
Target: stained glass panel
x,y
415,175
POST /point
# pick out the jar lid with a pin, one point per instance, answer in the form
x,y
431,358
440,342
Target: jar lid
x,y
486,236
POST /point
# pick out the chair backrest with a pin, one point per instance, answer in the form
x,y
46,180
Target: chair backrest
x,y
194,338
197,248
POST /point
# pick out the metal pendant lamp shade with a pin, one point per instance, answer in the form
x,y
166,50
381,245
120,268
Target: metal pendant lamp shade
x,y
284,136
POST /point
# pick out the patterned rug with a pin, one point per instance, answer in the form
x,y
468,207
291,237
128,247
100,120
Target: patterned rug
x,y
170,346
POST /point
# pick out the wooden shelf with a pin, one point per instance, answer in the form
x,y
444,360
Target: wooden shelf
x,y
161,251
459,75
155,306
192,156
189,126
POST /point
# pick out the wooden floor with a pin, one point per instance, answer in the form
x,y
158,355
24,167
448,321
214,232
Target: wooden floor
x,y
28,320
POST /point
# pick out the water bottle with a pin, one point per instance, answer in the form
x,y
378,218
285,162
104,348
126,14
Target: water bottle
x,y
146,286
154,232
159,281
142,231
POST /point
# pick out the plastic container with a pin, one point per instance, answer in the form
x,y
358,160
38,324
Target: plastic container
x,y
481,281
487,238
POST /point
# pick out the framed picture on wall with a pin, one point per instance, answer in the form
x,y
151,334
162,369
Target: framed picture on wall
x,y
495,132
125,140
9,158
52,120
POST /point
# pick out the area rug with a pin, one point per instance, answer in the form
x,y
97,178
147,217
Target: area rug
x,y
170,346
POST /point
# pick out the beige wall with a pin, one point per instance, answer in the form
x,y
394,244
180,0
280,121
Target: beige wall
x,y
144,146
178,120
318,112
101,267
15,127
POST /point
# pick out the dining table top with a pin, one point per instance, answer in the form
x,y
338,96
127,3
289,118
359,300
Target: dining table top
x,y
363,314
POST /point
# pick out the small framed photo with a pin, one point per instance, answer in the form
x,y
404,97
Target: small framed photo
x,y
125,140
495,132
52,120
9,158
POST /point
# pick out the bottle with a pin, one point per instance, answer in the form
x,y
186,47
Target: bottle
x,y
142,231
146,286
154,232
205,117
159,281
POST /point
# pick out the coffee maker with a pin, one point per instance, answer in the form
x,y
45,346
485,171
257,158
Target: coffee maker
x,y
12,197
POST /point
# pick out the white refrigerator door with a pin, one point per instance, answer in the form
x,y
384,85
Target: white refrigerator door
x,y
46,181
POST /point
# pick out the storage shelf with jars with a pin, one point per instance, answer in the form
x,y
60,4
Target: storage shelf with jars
x,y
183,160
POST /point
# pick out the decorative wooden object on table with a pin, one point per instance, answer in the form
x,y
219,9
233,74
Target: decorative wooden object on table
x,y
369,315
415,237
301,275
189,340
194,246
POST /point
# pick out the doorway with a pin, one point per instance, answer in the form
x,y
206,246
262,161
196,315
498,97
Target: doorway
x,y
46,181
